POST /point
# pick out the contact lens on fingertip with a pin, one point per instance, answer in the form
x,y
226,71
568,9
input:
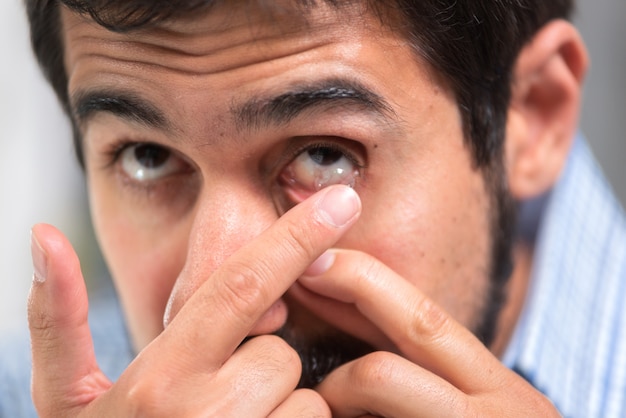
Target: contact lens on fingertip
x,y
325,178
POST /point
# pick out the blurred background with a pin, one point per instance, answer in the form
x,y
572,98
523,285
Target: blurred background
x,y
41,182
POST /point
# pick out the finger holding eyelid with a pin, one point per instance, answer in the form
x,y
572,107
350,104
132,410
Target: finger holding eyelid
x,y
421,330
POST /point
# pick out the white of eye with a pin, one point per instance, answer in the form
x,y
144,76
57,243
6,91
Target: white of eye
x,y
319,167
146,162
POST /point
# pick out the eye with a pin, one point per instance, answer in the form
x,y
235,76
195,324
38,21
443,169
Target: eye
x,y
146,162
320,165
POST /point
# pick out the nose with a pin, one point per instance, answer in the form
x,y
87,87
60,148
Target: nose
x,y
226,217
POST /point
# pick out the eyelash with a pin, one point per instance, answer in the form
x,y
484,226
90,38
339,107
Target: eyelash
x,y
113,152
333,146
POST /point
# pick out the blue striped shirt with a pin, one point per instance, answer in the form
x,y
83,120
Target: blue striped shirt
x,y
571,339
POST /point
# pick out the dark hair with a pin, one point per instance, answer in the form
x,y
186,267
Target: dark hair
x,y
471,43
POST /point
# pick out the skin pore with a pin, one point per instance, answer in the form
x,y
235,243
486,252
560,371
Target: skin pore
x,y
189,155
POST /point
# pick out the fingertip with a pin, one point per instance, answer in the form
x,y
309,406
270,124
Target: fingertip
x,y
322,264
52,241
53,254
58,291
338,206
39,257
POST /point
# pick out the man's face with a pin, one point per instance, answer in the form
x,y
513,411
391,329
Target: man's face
x,y
200,133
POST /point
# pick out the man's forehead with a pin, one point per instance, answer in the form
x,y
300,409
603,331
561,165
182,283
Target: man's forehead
x,y
226,30
215,17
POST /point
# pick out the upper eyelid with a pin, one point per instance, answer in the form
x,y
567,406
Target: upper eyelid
x,y
297,145
335,147
115,151
347,146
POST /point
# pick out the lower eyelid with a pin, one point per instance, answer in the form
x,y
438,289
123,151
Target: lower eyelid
x,y
160,192
297,195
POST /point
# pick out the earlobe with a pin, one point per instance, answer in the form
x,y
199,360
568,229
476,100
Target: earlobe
x,y
545,102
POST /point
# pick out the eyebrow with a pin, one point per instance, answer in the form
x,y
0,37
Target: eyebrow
x,y
255,113
330,94
125,105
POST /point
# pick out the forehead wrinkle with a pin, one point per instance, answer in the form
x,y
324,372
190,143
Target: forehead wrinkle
x,y
327,95
258,19
194,43
170,43
237,33
187,62
201,51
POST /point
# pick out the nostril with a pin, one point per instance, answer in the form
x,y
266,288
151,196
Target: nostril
x,y
169,314
174,303
183,289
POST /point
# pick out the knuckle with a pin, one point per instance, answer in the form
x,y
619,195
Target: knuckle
x,y
248,284
41,323
45,328
374,371
312,404
368,269
38,320
243,291
428,323
462,404
46,322
276,353
298,242
147,398
268,363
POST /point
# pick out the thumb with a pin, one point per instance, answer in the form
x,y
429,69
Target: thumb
x,y
65,376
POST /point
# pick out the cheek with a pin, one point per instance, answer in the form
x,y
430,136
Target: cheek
x,y
144,264
433,231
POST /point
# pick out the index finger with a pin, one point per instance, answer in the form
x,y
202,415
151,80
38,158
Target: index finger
x,y
221,313
422,331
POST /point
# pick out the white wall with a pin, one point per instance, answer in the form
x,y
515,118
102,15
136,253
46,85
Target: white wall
x,y
601,22
40,181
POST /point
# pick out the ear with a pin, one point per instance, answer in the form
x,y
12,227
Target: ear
x,y
545,102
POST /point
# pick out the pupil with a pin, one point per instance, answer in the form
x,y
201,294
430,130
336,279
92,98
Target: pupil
x,y
151,156
325,156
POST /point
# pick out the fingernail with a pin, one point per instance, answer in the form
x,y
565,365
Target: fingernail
x,y
40,261
321,265
339,206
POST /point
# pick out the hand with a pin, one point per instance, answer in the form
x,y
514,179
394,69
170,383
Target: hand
x,y
182,372
443,370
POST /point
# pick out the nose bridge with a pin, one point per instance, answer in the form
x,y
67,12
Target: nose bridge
x,y
226,217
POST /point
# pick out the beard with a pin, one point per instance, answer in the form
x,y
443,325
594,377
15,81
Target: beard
x,y
502,221
322,353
